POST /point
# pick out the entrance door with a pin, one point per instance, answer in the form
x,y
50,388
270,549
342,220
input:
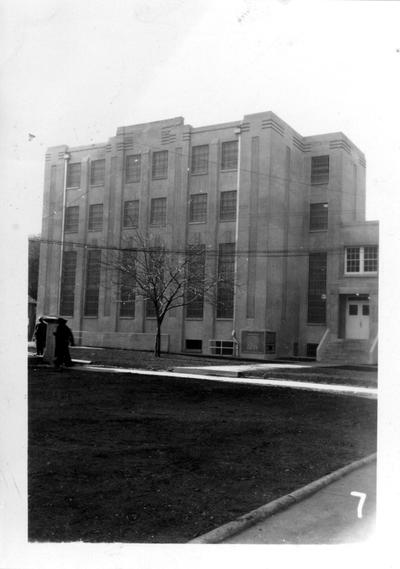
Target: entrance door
x,y
357,319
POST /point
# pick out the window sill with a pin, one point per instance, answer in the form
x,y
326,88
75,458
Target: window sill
x,y
227,220
73,188
352,275
159,178
197,222
132,182
228,170
316,324
199,173
97,185
130,226
318,230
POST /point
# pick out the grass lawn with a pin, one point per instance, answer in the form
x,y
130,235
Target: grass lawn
x,y
114,457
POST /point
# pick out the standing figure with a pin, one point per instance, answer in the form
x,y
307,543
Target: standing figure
x,y
39,336
64,338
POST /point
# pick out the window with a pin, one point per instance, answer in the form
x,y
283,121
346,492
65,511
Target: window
x,y
317,288
318,216
97,172
158,211
229,155
319,170
150,309
159,168
132,168
361,260
270,342
200,159
72,219
131,213
227,206
226,275
96,217
127,286
222,347
92,283
74,175
311,350
68,283
195,283
198,207
193,345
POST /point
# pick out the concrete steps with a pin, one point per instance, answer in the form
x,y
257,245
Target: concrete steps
x,y
347,351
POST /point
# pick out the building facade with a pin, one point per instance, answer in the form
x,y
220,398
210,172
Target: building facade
x,y
284,214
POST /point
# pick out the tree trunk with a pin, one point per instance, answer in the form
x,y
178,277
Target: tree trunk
x,y
157,345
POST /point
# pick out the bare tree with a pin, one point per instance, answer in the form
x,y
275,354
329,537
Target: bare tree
x,y
166,279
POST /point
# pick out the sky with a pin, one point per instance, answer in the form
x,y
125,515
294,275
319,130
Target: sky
x,y
72,71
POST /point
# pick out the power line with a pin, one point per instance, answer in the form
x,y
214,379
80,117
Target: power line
x,y
242,252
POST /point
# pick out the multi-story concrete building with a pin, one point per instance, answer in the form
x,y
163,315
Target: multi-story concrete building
x,y
286,213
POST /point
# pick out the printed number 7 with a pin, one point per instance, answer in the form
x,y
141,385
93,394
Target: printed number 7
x,y
362,497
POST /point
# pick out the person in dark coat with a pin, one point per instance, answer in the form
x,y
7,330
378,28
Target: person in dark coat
x,y
64,337
39,336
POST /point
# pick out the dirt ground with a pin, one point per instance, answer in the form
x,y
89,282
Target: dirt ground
x,y
133,459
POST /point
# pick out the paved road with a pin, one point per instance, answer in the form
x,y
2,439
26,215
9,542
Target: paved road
x,y
329,516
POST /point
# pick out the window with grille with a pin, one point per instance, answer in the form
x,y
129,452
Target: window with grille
x,y
150,309
127,285
229,155
361,260
200,159
68,283
318,216
131,213
74,175
317,288
195,281
319,170
72,219
227,206
226,276
198,208
132,168
97,172
96,217
159,167
92,283
158,211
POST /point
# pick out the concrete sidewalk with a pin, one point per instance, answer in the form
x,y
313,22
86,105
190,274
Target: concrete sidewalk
x,y
330,516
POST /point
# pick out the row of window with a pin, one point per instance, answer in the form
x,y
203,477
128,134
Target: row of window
x,y
158,212
199,165
159,165
197,213
358,260
127,300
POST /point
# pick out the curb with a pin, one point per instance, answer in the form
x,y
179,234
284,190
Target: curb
x,y
251,518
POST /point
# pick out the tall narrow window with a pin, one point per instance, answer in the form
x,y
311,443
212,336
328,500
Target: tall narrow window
x,y
319,170
68,283
92,283
227,208
229,155
97,172
72,219
318,216
127,287
96,217
159,169
158,211
131,213
195,292
317,288
198,208
226,276
200,159
74,175
132,168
